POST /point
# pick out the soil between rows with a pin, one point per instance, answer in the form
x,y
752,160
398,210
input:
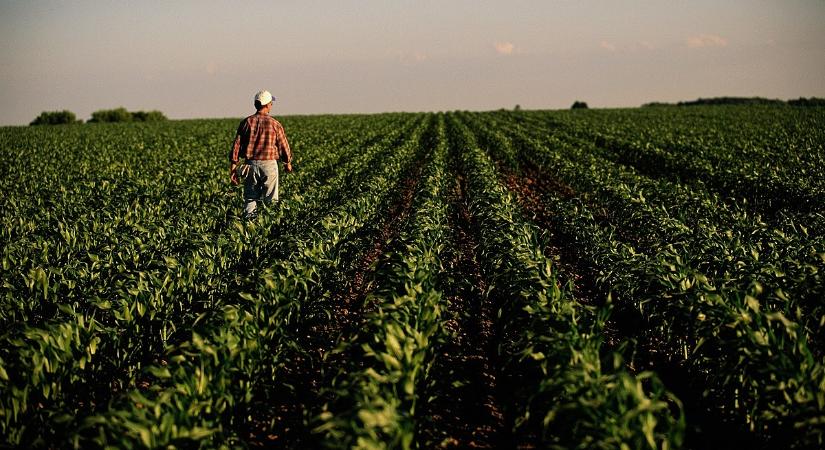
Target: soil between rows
x,y
466,410
289,410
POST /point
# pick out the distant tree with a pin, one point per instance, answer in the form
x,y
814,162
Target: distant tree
x,y
148,116
517,107
111,115
55,118
732,101
579,105
122,115
802,101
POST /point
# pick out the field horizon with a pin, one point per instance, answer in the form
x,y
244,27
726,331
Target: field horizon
x,y
803,101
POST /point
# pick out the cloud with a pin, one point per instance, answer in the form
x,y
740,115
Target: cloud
x,y
412,58
639,46
706,40
504,48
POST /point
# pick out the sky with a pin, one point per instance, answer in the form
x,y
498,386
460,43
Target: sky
x,y
193,59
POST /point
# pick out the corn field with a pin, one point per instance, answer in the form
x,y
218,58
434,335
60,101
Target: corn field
x,y
593,279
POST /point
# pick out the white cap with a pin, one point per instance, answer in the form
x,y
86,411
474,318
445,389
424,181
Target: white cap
x,y
264,97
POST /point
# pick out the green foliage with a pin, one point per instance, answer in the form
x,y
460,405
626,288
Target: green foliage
x,y
111,115
712,280
148,116
139,310
573,394
802,101
122,115
579,105
380,394
55,118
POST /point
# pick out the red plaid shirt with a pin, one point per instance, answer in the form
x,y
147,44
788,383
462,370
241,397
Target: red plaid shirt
x,y
260,137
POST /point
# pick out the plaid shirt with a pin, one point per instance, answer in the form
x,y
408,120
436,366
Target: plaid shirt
x,y
260,137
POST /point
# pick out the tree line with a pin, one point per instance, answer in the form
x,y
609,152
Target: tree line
x,y
121,114
801,101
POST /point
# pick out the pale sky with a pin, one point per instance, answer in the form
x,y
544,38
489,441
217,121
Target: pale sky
x,y
194,59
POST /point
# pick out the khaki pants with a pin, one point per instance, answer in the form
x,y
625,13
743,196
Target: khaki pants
x,y
260,185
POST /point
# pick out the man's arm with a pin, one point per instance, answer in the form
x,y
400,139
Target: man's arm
x,y
234,154
283,145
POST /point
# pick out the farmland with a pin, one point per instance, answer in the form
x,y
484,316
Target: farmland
x,y
639,278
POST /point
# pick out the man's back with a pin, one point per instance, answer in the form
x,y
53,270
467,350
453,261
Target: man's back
x,y
260,137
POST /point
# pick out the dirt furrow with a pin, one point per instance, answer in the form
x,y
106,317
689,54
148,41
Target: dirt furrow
x,y
467,411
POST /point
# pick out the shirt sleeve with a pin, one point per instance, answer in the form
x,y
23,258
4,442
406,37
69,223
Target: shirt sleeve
x,y
239,144
282,143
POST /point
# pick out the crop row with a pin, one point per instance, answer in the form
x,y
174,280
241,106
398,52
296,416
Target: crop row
x,y
752,360
575,395
771,157
204,387
137,308
86,246
93,347
730,245
384,380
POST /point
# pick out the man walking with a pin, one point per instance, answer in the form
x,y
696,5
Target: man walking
x,y
261,141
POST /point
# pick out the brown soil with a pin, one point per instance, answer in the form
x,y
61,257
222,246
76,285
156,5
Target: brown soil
x,y
466,412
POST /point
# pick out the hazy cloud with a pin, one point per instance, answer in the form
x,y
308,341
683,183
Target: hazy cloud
x,y
706,40
504,48
609,46
639,46
411,58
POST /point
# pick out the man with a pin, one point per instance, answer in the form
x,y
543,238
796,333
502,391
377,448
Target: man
x,y
261,141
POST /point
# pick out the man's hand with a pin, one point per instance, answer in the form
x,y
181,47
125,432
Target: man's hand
x,y
289,167
233,175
